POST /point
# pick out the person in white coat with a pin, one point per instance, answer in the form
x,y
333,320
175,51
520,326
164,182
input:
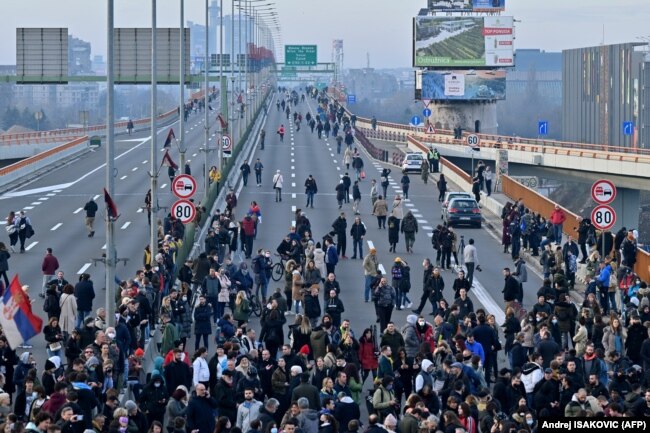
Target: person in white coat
x,y
319,259
277,185
200,367
398,208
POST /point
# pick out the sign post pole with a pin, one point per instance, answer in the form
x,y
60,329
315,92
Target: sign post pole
x,y
603,192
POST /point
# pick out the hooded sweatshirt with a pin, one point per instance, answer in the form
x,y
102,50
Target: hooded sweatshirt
x,y
424,377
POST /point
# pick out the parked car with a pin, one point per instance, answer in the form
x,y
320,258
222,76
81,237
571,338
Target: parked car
x,y
463,210
450,195
413,162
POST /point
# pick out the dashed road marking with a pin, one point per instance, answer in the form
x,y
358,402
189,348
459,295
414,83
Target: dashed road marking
x,y
126,224
134,168
35,203
83,268
30,246
293,184
163,186
293,174
44,198
427,228
140,210
417,215
56,226
145,161
338,168
194,154
50,195
26,208
78,210
123,177
96,197
410,204
423,221
293,208
293,195
104,247
293,167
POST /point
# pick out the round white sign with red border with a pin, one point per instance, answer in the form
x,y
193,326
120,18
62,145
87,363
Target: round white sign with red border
x,y
184,186
603,191
184,211
603,217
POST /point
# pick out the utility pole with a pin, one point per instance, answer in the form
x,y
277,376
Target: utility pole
x,y
206,127
232,71
239,122
153,240
223,96
181,106
111,254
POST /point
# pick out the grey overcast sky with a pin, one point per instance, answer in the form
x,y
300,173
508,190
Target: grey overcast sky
x,y
381,28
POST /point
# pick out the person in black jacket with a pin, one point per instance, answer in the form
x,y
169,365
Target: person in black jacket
x,y
357,232
200,411
225,396
510,288
340,225
153,399
84,292
178,372
91,209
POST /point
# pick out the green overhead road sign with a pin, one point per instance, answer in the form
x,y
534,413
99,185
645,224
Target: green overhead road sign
x,y
300,55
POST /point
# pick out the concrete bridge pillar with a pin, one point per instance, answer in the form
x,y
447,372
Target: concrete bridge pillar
x,y
627,207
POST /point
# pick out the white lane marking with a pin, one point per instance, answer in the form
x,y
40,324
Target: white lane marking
x,y
125,176
26,208
291,153
30,246
430,235
83,268
488,301
423,221
293,184
194,154
78,210
293,223
135,168
417,215
144,162
96,197
35,203
293,208
3,223
50,195
139,210
126,224
338,168
57,190
163,186
293,174
56,227
104,247
427,228
331,154
415,210
44,198
293,195
410,204
292,167
334,160
293,160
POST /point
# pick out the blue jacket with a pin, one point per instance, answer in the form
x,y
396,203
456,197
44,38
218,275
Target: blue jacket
x,y
477,349
603,276
332,256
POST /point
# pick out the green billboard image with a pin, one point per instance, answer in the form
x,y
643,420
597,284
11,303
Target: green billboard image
x,y
300,55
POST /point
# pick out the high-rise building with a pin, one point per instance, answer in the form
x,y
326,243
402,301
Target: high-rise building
x,y
600,87
79,57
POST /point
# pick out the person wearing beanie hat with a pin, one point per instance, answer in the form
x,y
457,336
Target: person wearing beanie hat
x,y
139,353
390,423
304,350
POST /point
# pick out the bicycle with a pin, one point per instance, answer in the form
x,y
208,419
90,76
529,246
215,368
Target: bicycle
x,y
254,302
277,270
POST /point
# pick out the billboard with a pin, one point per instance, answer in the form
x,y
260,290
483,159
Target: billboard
x,y
463,41
485,85
467,5
300,55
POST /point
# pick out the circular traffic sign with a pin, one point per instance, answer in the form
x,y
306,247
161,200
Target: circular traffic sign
x,y
226,143
603,217
426,112
603,191
184,186
473,140
184,211
415,121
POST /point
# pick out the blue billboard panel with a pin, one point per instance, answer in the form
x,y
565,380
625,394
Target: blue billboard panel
x,y
461,85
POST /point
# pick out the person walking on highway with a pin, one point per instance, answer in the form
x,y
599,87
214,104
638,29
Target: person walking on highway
x,y
310,190
370,268
48,267
262,137
357,232
557,218
280,132
347,158
384,181
409,228
340,193
277,185
91,209
147,205
510,288
129,126
356,198
12,230
425,171
258,167
393,232
384,296
245,169
380,210
406,183
25,230
470,257
373,192
84,292
347,183
488,175
340,226
442,187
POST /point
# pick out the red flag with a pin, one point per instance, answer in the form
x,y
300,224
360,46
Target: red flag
x,y
168,140
222,121
167,160
111,209
19,323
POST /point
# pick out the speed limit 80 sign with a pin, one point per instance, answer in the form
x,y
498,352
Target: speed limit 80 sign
x,y
184,211
603,217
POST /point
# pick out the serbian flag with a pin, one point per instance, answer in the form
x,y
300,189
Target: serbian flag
x,y
222,121
111,209
168,140
18,322
167,160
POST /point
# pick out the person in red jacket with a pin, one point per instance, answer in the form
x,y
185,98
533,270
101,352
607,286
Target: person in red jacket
x,y
367,356
49,268
557,219
281,133
247,234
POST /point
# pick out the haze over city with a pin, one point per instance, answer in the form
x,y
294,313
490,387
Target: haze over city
x,y
380,28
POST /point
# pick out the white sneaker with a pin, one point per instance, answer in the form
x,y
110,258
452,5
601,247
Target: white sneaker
x,y
11,247
409,305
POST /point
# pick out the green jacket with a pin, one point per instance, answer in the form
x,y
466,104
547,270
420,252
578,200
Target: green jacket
x,y
170,334
242,311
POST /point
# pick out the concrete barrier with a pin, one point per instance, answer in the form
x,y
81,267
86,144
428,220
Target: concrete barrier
x,y
36,163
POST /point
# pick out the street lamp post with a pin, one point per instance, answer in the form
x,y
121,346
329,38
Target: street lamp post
x,y
153,239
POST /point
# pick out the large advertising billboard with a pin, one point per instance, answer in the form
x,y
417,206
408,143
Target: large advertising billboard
x,y
467,5
469,85
463,41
